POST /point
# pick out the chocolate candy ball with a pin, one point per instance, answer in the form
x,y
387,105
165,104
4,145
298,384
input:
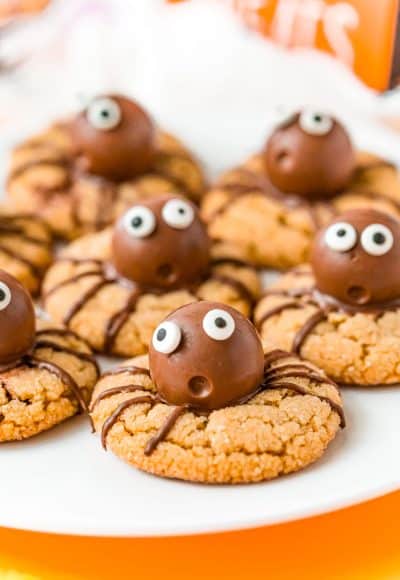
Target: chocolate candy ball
x,y
310,155
356,259
161,243
115,138
206,355
17,320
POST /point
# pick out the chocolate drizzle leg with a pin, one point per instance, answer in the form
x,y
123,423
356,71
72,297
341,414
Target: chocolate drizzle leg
x,y
113,418
164,430
63,375
117,321
88,295
104,274
34,360
278,368
302,334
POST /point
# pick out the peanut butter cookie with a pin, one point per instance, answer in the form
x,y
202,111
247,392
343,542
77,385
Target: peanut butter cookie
x,y
273,204
47,373
213,408
80,175
25,247
114,287
342,313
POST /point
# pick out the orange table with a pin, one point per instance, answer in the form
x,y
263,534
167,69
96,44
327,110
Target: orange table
x,y
361,542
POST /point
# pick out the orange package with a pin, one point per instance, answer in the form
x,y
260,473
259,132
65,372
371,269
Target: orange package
x,y
363,34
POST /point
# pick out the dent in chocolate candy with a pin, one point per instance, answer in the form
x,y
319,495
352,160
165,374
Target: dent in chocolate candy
x,y
310,154
161,243
206,355
17,320
356,259
115,138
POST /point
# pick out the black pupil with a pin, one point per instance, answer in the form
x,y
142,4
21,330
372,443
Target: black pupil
x,y
341,233
220,322
317,118
2,295
137,222
181,210
161,334
105,113
379,238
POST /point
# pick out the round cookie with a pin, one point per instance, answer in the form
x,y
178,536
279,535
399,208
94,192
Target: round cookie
x,y
25,247
47,373
180,414
114,287
80,175
342,312
308,172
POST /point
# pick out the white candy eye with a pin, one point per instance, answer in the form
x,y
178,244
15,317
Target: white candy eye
x,y
315,122
104,114
139,221
377,239
178,214
5,296
167,337
341,237
283,115
218,324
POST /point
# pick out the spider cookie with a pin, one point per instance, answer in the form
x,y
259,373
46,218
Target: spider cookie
x,y
25,247
80,175
207,405
307,173
343,312
114,287
46,373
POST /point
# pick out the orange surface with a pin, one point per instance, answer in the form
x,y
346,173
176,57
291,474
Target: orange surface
x,y
362,542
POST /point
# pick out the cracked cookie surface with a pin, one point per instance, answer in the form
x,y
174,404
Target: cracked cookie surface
x,y
107,312
47,386
358,349
279,430
45,176
25,247
276,230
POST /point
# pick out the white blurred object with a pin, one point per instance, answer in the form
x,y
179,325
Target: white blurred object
x,y
195,65
68,51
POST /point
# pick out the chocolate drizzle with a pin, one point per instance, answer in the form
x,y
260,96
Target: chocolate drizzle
x,y
260,184
10,226
34,361
325,305
117,320
88,295
164,430
275,377
77,173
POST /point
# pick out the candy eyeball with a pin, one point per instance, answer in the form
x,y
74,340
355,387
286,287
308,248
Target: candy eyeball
x,y
5,296
104,114
377,239
178,214
315,122
341,237
139,221
218,324
283,115
167,337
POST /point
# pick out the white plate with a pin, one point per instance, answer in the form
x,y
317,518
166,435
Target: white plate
x,y
62,481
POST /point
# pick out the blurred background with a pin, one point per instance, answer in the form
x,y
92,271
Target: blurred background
x,y
213,71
